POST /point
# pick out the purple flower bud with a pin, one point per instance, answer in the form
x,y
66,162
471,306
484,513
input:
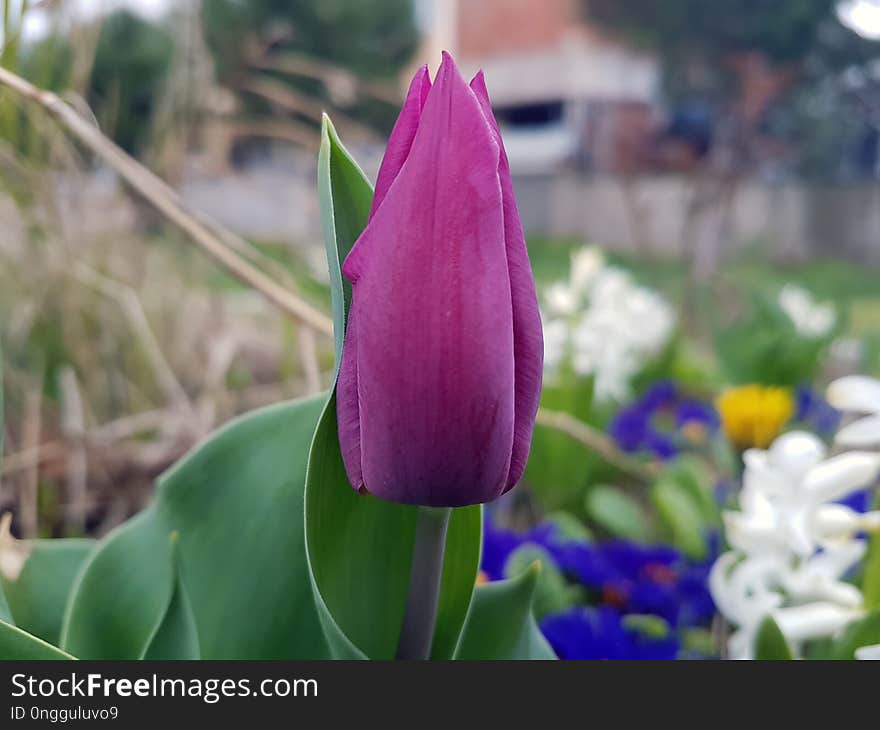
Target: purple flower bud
x,y
441,368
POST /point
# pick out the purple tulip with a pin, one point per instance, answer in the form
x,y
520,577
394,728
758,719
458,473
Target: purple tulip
x,y
441,368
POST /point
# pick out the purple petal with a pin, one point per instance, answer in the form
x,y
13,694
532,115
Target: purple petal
x,y
528,341
347,410
433,317
402,135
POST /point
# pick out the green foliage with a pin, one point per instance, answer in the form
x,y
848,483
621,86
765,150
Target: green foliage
x,y
863,632
176,634
237,504
372,38
785,31
618,513
132,59
500,624
559,468
682,498
552,592
763,346
770,642
38,595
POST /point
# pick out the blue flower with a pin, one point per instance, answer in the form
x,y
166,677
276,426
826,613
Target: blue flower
x,y
661,420
584,632
813,410
499,543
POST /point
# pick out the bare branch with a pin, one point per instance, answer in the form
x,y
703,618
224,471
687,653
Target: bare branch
x,y
597,442
169,203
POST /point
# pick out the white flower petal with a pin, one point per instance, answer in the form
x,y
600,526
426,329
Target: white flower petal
x,y
858,434
857,393
868,652
841,475
813,620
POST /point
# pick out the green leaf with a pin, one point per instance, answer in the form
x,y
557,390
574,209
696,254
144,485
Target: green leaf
x,y
5,612
863,632
617,513
360,549
345,195
121,593
681,515
175,636
569,527
871,572
39,593
18,645
552,593
500,624
237,502
770,642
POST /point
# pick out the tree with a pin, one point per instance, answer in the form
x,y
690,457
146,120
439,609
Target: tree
x,y
751,61
250,41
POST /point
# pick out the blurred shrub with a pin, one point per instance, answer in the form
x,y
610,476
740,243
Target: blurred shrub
x,y
131,63
373,38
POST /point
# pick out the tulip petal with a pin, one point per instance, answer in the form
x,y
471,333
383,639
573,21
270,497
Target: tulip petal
x,y
861,433
857,393
400,142
527,334
433,313
347,408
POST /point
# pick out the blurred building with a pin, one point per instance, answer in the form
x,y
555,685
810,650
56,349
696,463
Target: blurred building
x,y
566,93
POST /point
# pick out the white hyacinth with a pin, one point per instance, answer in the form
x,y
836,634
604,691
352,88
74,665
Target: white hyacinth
x,y
603,324
791,544
810,318
861,395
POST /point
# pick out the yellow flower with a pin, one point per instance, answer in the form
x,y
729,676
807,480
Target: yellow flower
x,y
754,415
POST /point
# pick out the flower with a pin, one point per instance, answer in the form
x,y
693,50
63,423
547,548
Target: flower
x,y
640,425
603,324
583,632
792,542
857,394
810,318
631,578
754,415
441,367
813,410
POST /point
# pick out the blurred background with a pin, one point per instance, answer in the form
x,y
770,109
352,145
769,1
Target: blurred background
x,y
699,182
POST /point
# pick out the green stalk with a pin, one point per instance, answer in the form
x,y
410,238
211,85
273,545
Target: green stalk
x,y
420,615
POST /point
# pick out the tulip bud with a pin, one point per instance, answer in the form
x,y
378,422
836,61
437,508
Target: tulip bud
x,y
441,368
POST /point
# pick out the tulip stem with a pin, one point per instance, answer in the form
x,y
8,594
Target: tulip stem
x,y
417,632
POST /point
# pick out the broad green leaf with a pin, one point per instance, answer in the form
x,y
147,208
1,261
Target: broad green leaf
x,y
569,526
863,632
770,642
681,516
871,571
121,593
500,624
646,624
552,593
38,593
360,549
345,195
5,612
617,513
697,480
237,503
175,636
16,644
